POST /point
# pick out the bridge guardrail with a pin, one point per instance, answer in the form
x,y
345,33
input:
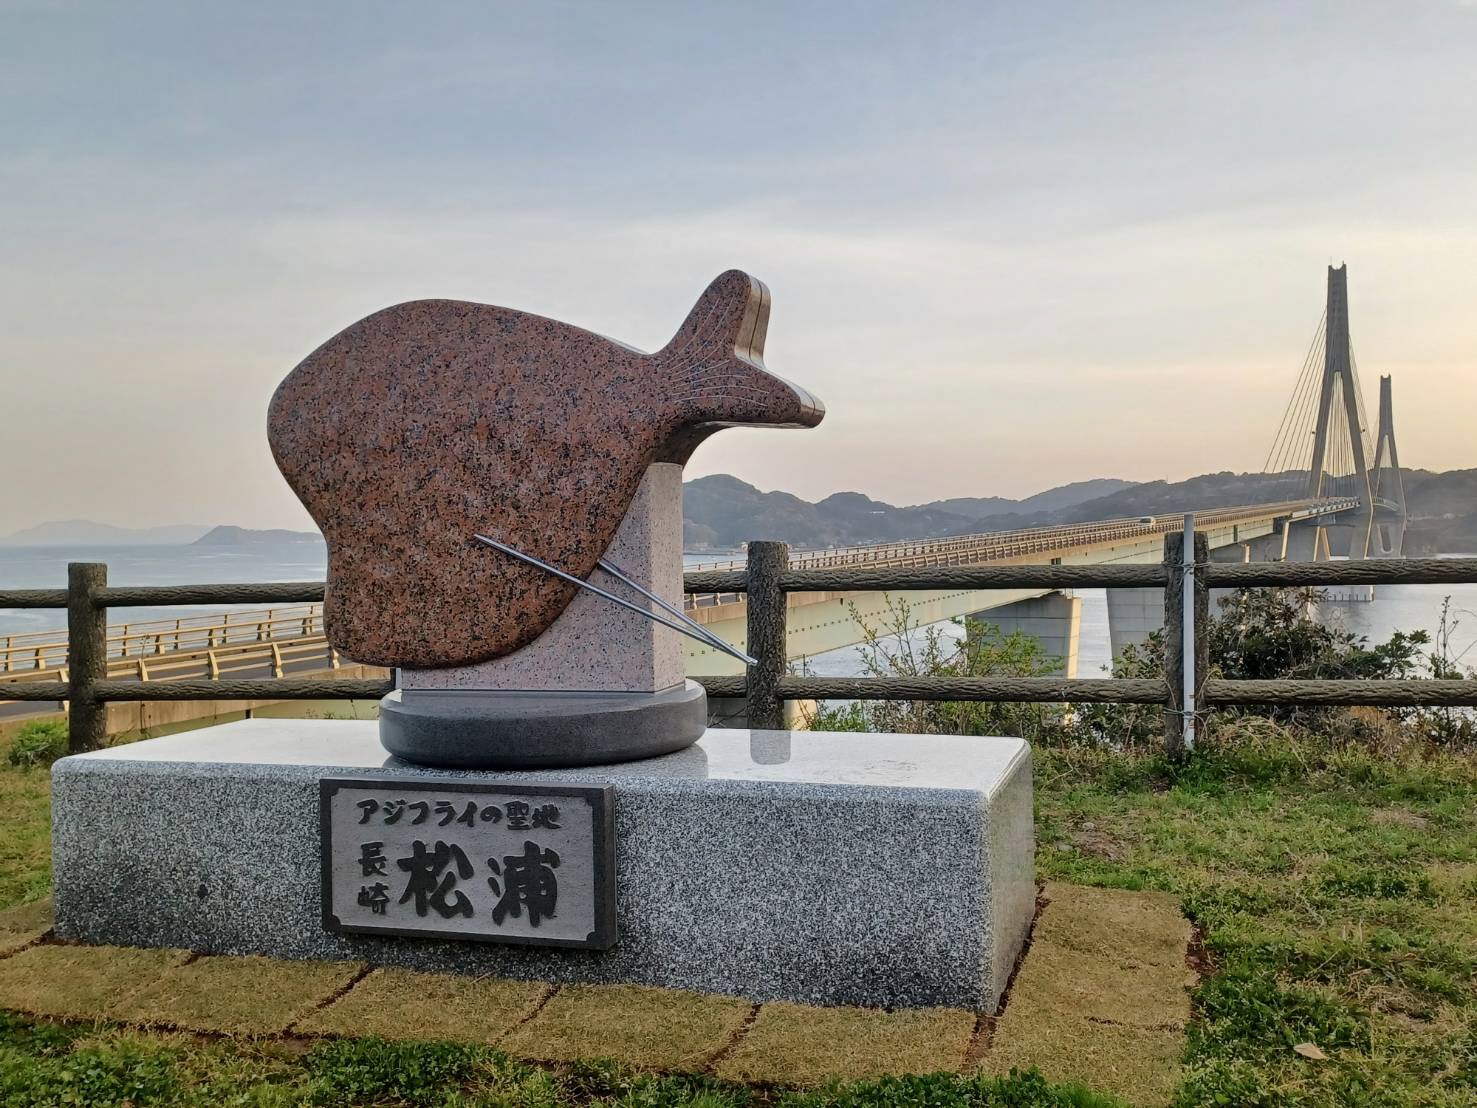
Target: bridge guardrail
x,y
35,653
1002,545
41,655
766,580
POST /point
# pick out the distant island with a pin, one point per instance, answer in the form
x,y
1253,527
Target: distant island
x,y
86,532
245,536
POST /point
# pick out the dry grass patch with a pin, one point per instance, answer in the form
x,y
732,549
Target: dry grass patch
x,y
235,995
1454,880
404,1004
1088,986
664,1029
1129,928
79,982
1140,1066
11,941
794,1044
23,925
1399,817
35,916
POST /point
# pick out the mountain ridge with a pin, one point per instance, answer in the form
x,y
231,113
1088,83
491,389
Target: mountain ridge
x,y
723,512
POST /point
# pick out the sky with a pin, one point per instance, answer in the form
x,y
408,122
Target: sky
x,y
1009,245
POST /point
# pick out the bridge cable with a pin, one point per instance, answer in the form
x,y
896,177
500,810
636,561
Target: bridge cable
x,y
1295,441
1295,459
1300,452
1293,401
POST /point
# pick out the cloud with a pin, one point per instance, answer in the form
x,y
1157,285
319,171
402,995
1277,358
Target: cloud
x,y
1008,247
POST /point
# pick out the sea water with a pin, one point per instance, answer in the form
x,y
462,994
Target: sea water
x,y
1394,607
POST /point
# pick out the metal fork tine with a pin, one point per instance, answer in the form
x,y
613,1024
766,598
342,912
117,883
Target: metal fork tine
x,y
616,572
619,601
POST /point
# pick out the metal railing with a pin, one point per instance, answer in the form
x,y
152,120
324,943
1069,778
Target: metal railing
x,y
186,645
992,546
767,578
43,653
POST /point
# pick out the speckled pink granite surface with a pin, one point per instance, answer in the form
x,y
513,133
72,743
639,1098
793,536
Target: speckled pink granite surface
x,y
595,646
429,421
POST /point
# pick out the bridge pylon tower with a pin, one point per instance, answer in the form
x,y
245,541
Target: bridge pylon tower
x,y
1339,435
1388,486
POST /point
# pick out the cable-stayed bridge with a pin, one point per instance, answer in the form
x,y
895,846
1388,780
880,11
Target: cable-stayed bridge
x,y
1324,441
1338,492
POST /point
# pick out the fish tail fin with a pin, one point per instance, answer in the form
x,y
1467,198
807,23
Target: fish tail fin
x,y
728,320
715,364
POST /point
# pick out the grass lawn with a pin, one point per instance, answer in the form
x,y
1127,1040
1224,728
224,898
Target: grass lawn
x,y
25,834
1337,898
1336,894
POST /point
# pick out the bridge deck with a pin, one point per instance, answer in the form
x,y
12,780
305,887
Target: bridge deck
x,y
284,641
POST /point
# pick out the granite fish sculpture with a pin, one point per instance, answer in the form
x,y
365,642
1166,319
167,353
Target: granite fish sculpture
x,y
427,422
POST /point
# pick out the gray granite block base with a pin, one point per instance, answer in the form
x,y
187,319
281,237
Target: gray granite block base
x,y
483,729
883,870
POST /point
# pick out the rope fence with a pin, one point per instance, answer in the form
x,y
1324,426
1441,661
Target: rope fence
x,y
766,582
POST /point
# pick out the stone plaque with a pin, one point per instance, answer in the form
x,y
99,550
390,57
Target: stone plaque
x,y
508,863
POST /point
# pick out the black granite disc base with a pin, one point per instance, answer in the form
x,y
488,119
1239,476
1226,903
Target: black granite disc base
x,y
472,729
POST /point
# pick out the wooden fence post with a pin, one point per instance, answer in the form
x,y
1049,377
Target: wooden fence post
x,y
87,655
766,637
1202,623
1174,673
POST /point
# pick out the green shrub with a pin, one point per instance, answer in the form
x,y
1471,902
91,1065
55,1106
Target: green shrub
x,y
38,743
901,646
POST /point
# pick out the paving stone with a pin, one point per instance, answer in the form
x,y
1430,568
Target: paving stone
x,y
1147,928
79,982
404,1004
664,1029
238,995
1101,996
794,1044
1092,987
1140,1066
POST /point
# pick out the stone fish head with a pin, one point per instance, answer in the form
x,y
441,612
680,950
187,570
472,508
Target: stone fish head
x,y
427,422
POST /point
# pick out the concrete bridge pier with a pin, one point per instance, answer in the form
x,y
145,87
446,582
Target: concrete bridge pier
x,y
1306,542
1133,615
1269,548
1236,552
1053,620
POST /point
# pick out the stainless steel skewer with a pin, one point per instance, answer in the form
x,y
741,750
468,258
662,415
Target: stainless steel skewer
x,y
620,601
616,572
